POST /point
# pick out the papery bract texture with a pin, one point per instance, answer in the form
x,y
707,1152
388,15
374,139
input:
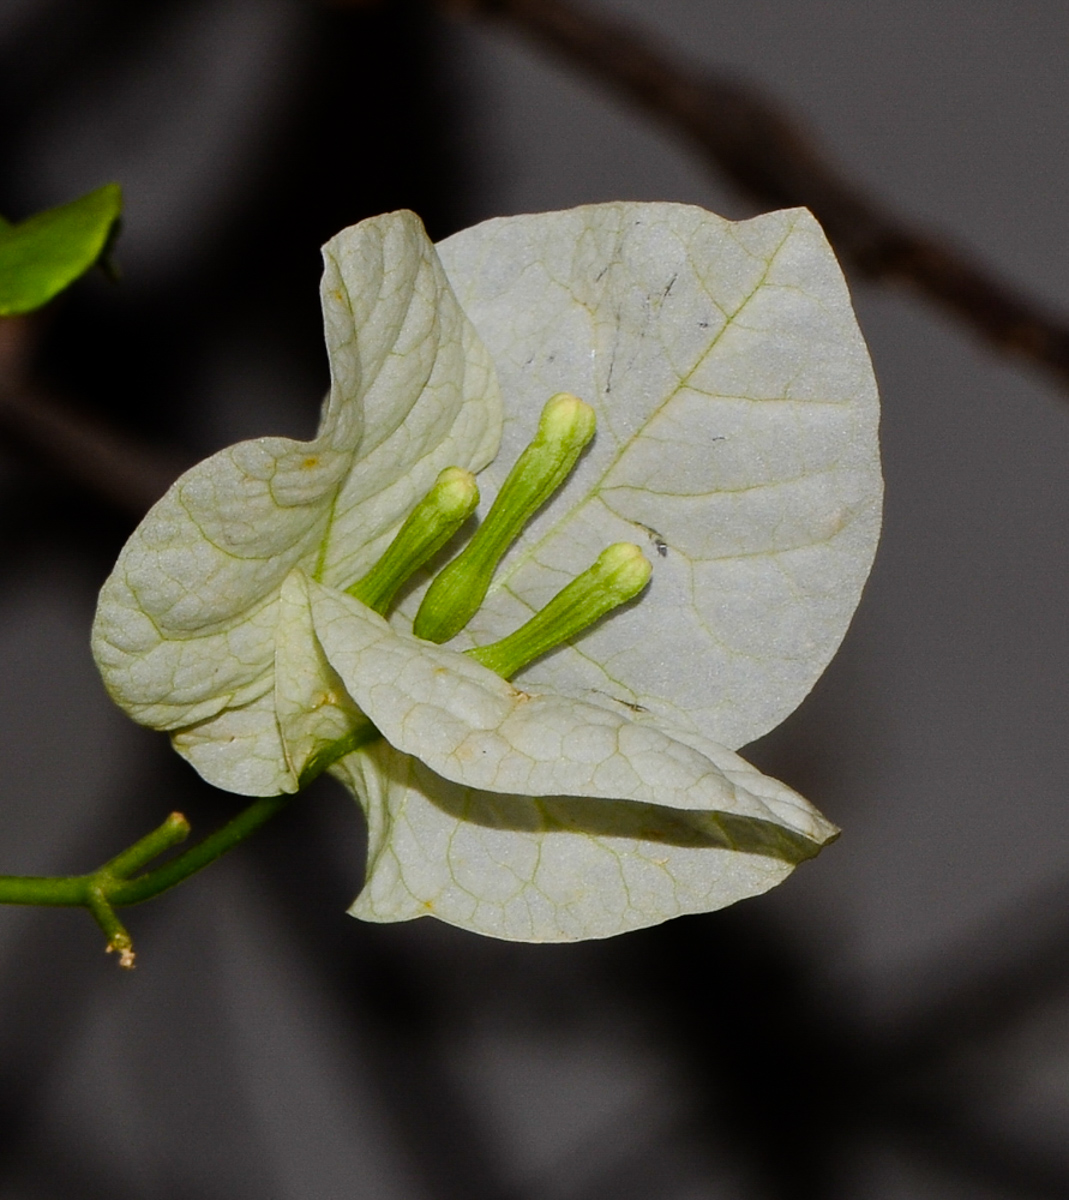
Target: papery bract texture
x,y
737,438
544,869
187,628
538,817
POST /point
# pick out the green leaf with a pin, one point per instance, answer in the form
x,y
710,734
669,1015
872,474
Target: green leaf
x,y
47,252
736,438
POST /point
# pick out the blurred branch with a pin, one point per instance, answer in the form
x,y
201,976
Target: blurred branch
x,y
737,129
766,153
978,1152
83,449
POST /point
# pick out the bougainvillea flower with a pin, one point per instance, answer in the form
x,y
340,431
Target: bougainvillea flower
x,y
595,789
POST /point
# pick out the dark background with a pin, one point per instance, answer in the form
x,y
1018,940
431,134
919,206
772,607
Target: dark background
x,y
891,1023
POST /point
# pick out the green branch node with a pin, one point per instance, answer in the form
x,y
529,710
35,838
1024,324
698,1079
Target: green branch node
x,y
111,886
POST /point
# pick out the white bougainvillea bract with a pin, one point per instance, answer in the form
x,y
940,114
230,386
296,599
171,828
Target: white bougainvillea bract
x,y
597,791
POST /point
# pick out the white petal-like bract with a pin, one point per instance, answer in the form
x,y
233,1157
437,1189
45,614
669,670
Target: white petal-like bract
x,y
187,624
547,869
736,438
476,729
536,817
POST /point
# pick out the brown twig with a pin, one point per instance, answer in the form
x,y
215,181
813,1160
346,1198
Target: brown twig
x,y
764,151
737,129
83,449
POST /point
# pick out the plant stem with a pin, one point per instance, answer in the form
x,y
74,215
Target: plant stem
x,y
111,886
144,887
118,939
62,890
111,882
174,830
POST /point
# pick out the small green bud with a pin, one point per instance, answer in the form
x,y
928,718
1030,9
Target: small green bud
x,y
620,573
565,427
431,524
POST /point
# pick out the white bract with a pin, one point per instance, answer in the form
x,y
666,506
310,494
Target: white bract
x,y
736,441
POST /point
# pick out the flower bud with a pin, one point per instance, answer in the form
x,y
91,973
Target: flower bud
x,y
565,427
619,574
430,525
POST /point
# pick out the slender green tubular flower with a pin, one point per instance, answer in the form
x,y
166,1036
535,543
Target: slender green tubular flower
x,y
432,523
566,426
618,575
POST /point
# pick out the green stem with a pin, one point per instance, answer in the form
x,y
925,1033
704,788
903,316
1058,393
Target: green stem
x,y
233,833
111,886
114,930
174,830
61,890
102,890
111,882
